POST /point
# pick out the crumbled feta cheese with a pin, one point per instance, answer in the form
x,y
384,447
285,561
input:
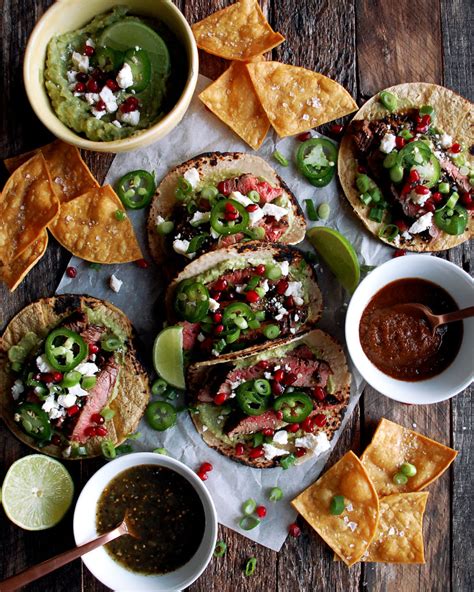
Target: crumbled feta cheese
x,y
98,114
239,288
387,144
271,452
281,313
265,287
181,246
419,199
199,218
132,118
201,337
294,289
277,212
242,199
192,177
285,267
71,76
90,42
87,368
80,61
92,98
17,388
406,235
214,234
115,284
116,123
109,99
446,140
125,76
281,437
43,365
396,241
423,223
267,375
316,444
256,216
213,305
50,404
159,220
78,391
67,400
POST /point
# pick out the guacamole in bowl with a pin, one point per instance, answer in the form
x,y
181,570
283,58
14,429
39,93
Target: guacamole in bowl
x,y
116,76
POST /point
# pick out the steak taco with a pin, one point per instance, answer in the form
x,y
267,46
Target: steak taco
x,y
218,199
277,407
69,378
233,300
406,168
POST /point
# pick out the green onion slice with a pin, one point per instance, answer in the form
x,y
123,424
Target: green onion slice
x,y
276,494
107,413
311,210
278,156
159,387
250,566
337,505
220,549
108,449
161,451
400,479
324,210
388,232
249,506
408,469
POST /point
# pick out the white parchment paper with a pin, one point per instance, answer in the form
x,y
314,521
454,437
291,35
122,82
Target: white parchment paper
x,y
229,483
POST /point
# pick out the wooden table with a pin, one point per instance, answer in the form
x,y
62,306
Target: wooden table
x,y
365,45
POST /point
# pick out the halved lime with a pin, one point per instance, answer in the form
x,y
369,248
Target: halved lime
x,y
37,492
338,254
128,33
168,356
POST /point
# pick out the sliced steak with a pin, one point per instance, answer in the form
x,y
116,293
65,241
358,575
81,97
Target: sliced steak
x,y
79,323
452,170
246,183
237,425
190,333
362,135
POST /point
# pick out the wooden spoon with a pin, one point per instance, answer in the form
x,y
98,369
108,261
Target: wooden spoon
x,y
38,571
435,320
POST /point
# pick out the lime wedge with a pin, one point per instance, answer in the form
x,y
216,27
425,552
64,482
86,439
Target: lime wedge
x,y
128,33
338,254
168,356
37,492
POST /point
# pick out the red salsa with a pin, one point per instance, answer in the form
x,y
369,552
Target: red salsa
x,y
402,344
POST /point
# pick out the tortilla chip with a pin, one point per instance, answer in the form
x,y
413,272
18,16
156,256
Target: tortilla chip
x,y
14,273
238,32
350,533
233,99
88,228
27,205
391,446
296,99
70,175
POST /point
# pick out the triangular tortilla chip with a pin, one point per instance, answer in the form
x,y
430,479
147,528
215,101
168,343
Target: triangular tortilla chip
x,y
233,99
393,445
88,227
296,99
27,205
14,273
350,533
238,32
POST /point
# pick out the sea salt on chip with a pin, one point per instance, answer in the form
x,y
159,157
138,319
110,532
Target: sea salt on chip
x,y
14,273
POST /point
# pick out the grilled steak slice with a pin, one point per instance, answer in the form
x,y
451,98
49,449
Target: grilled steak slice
x,y
362,135
239,425
452,170
79,323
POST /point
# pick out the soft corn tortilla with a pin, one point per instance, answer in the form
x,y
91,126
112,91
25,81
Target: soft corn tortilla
x,y
330,351
132,392
216,165
454,115
14,273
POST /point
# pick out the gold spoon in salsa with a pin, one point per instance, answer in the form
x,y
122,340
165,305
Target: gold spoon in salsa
x,y
420,310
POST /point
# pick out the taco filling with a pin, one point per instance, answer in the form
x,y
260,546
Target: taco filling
x,y
278,406
414,179
65,382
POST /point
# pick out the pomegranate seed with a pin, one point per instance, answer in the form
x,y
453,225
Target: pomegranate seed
x,y
277,388
71,272
72,410
80,87
263,364
319,393
101,431
399,253
261,511
268,432
279,375
219,329
93,348
142,263
304,136
294,427
90,431
216,296
406,188
130,104
289,302
256,452
466,199
220,285
217,317
82,77
252,296
320,420
300,452
57,376
336,129
112,84
220,398
231,216
294,530
92,85
56,440
100,105
400,142
97,418
239,449
229,207
88,50
225,187
252,208
421,129
429,206
205,467
426,119
436,197
289,378
202,476
401,225
307,424
455,148
421,190
279,415
282,287
260,269
47,377
361,169
413,176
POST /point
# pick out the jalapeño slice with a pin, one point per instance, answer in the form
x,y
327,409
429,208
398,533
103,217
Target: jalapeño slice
x,y
452,221
136,189
295,407
238,314
226,227
108,59
161,415
250,400
140,66
65,349
192,301
34,421
316,160
414,153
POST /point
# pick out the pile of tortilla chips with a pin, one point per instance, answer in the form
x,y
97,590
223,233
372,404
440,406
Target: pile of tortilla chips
x,y
52,188
253,93
381,521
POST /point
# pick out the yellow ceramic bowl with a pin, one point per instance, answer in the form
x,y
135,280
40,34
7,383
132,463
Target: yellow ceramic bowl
x,y
69,15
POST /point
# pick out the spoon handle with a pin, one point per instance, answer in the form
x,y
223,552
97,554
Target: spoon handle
x,y
40,570
457,315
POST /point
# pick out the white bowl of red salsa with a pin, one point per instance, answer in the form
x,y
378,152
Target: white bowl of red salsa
x,y
89,513
382,353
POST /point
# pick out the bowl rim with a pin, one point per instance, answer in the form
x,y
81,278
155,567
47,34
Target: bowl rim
x,y
372,375
108,472
133,142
